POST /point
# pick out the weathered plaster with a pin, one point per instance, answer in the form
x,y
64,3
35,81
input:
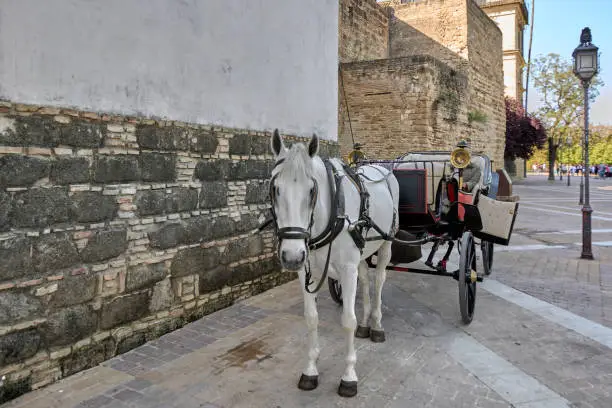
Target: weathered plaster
x,y
256,64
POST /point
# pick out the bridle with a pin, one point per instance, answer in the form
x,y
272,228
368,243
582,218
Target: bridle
x,y
337,218
334,227
299,232
293,232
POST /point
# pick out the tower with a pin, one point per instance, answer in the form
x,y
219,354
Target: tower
x,y
511,16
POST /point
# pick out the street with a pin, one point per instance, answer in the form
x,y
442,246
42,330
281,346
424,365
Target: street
x,y
541,335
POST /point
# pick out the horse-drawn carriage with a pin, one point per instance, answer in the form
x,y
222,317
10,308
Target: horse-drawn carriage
x,y
332,220
436,205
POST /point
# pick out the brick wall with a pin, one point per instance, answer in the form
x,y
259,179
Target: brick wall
x,y
403,104
115,230
363,31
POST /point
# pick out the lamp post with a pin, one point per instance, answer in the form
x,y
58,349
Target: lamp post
x,y
559,159
558,155
584,171
585,68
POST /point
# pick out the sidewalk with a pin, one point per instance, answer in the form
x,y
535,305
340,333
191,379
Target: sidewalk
x,y
251,354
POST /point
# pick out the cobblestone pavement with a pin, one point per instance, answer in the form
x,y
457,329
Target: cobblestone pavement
x,y
518,352
550,215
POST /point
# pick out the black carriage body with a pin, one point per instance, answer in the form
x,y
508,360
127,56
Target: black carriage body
x,y
424,187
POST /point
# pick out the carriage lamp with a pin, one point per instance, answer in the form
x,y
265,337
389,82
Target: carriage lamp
x,y
586,66
460,158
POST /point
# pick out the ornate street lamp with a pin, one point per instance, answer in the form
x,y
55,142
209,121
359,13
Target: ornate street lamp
x,y
585,68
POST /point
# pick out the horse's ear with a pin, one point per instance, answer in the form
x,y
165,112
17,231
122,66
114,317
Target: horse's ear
x,y
276,143
313,146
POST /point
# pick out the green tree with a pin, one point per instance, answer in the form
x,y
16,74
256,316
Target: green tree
x,y
562,95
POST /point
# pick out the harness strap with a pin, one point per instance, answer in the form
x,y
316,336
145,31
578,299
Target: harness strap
x,y
334,227
364,221
336,216
364,205
293,233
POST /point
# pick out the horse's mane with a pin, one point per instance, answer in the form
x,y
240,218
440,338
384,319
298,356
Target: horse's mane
x,y
297,163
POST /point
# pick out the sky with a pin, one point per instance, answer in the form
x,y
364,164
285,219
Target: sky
x,y
557,28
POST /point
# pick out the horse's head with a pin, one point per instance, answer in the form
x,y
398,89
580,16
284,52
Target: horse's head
x,y
293,192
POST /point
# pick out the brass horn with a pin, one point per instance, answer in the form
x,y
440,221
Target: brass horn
x,y
460,157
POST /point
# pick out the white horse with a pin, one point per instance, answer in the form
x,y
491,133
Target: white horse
x,y
303,204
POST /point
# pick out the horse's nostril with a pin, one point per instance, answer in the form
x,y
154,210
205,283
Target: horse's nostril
x,y
303,256
284,256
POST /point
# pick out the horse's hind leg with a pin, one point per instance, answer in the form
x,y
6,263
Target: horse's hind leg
x,y
377,333
310,377
363,330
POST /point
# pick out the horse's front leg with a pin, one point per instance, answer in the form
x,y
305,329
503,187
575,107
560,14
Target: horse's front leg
x,y
377,333
363,330
348,383
310,377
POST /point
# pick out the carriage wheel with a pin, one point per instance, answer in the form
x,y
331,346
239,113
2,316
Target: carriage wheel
x,y
487,256
467,277
335,289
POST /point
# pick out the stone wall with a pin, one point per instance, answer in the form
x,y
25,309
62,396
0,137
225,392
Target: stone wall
x,y
363,31
131,178
115,230
459,35
437,28
402,104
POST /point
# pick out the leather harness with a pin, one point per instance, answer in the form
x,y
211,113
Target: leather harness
x,y
337,218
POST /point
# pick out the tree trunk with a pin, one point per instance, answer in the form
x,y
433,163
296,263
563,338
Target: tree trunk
x,y
552,153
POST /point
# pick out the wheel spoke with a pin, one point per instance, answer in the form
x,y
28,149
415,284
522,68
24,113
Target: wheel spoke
x,y
467,288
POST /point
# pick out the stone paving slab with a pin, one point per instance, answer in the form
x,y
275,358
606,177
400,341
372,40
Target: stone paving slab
x,y
559,276
251,356
257,356
575,367
74,389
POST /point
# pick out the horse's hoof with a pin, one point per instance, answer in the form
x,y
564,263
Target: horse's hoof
x,y
377,336
347,388
308,382
362,332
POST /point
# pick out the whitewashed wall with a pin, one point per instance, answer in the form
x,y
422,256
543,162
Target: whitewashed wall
x,y
507,23
255,64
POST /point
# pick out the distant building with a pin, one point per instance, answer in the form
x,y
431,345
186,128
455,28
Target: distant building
x,y
511,16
